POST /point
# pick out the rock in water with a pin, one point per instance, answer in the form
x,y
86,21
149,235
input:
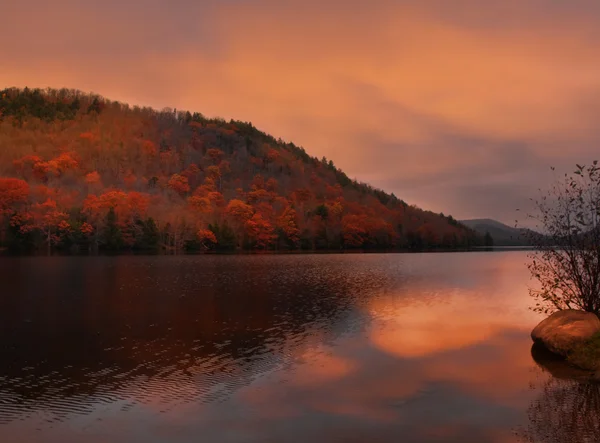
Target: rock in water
x,y
564,330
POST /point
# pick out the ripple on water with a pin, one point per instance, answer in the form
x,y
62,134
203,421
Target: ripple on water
x,y
122,335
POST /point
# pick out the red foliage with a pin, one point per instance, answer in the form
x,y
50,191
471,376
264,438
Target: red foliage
x,y
354,230
239,211
179,184
215,155
260,231
13,193
149,148
200,204
288,224
207,238
93,178
272,155
86,229
264,189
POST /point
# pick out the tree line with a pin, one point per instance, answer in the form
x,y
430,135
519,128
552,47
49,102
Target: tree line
x,y
82,173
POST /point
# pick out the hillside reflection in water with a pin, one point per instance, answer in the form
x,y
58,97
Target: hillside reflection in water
x,y
331,348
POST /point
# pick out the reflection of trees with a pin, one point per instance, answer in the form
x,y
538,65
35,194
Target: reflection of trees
x,y
168,330
568,408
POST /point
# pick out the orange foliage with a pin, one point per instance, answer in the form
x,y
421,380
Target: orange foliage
x,y
130,180
149,148
207,238
216,198
179,184
260,232
239,211
65,161
49,219
64,226
215,155
288,224
13,193
272,156
272,185
191,171
239,176
93,178
26,162
213,172
87,136
201,204
86,229
354,230
126,205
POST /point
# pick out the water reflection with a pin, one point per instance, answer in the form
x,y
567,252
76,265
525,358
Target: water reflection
x,y
567,408
416,348
162,330
566,411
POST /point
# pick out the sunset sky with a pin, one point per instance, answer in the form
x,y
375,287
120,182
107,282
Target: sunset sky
x,y
457,106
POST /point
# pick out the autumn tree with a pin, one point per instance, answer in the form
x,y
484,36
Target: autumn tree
x,y
207,238
288,227
179,184
13,195
260,232
88,155
354,231
50,221
239,213
13,192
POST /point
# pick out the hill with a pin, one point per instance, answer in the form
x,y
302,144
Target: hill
x,y
78,171
503,235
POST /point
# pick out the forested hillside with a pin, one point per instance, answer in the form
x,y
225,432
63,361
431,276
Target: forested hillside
x,y
79,172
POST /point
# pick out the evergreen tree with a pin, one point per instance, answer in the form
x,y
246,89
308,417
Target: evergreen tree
x,y
488,240
112,233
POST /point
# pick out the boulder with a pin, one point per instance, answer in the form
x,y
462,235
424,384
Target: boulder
x,y
564,330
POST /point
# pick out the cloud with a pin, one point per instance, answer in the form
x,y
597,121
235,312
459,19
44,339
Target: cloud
x,y
432,101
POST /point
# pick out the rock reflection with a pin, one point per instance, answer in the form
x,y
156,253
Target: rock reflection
x,y
567,409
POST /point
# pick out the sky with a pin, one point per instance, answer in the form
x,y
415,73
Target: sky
x,y
456,106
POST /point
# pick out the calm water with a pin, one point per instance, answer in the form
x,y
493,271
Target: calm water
x,y
295,348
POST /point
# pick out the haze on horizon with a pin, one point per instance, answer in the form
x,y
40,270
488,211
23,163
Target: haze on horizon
x,y
459,108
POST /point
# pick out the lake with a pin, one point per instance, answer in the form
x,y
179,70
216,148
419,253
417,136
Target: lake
x,y
279,348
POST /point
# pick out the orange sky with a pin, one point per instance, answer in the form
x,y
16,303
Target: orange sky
x,y
458,106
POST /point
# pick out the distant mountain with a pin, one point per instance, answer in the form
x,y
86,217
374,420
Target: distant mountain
x,y
503,235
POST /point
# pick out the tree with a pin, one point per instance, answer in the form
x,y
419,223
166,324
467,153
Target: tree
x,y
225,236
13,194
179,184
488,241
13,191
88,154
566,259
353,231
207,238
112,233
260,232
50,221
322,211
239,213
288,226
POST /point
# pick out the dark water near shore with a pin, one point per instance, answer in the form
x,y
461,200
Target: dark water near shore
x,y
295,348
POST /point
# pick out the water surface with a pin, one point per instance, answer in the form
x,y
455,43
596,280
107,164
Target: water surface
x,y
294,348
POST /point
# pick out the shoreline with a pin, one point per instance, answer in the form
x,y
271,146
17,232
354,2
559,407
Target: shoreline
x,y
4,252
